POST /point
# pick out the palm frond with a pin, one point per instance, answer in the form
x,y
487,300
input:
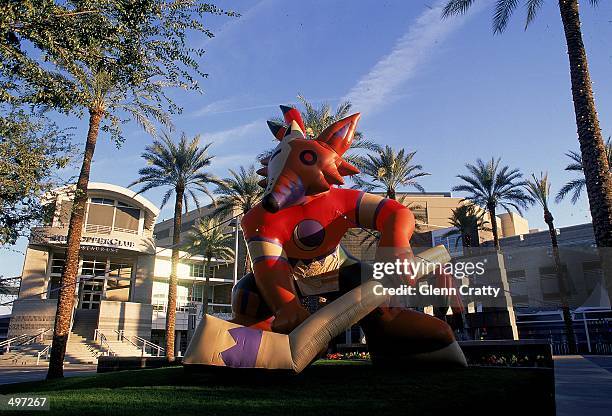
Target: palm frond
x,y
503,12
456,7
490,184
574,187
177,165
533,6
390,170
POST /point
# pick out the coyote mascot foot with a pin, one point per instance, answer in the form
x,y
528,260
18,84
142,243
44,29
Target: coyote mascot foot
x,y
293,237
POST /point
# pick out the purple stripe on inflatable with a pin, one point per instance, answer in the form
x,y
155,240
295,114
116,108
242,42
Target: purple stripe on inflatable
x,y
244,353
378,208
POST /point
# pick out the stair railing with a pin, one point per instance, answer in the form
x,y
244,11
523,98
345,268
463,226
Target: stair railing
x,y
44,352
98,335
38,337
23,339
135,340
122,337
6,344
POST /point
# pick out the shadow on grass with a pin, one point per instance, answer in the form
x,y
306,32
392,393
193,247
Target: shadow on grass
x,y
325,388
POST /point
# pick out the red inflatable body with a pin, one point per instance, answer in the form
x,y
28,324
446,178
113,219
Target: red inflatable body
x,y
294,234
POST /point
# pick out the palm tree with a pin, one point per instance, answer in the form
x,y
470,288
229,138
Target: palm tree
x,y
317,119
207,239
575,186
179,167
467,220
592,149
490,186
240,192
539,189
389,170
104,96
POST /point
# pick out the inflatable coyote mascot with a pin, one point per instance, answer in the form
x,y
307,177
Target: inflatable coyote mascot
x,y
293,239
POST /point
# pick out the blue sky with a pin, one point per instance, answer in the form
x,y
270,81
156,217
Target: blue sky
x,y
450,90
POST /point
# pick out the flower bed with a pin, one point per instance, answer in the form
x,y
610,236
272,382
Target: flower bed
x,y
353,355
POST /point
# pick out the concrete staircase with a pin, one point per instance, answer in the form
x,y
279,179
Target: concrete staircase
x,y
125,349
23,354
81,348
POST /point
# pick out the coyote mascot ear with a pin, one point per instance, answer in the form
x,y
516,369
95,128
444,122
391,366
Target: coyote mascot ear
x,y
339,136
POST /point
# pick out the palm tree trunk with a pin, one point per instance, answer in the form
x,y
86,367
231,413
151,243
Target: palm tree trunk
x,y
562,281
465,240
491,209
171,309
65,300
391,193
594,160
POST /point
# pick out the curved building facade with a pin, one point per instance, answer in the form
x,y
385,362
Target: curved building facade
x,y
123,275
117,261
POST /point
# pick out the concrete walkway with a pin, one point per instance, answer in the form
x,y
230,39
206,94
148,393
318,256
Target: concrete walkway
x,y
20,374
583,385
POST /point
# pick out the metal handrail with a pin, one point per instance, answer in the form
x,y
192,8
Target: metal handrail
x,y
104,342
145,343
40,335
23,339
44,352
8,342
149,344
121,336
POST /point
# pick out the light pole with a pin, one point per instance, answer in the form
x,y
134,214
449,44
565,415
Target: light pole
x,y
235,223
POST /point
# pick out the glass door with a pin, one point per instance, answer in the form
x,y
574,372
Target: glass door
x,y
93,273
91,293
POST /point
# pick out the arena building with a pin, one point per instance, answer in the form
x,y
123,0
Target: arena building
x,y
122,284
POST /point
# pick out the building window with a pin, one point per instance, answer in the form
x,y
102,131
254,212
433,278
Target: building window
x,y
126,217
197,270
65,211
54,287
57,263
119,281
549,281
120,270
102,201
93,267
160,235
105,215
100,215
452,242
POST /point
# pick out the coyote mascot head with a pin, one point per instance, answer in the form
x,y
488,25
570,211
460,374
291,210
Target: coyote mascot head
x,y
300,167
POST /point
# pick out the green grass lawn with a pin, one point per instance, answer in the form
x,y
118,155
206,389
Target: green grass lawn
x,y
327,388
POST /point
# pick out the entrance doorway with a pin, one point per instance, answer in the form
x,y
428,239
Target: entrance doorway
x,y
90,293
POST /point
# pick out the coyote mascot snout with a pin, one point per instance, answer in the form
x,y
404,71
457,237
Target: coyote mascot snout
x,y
293,238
